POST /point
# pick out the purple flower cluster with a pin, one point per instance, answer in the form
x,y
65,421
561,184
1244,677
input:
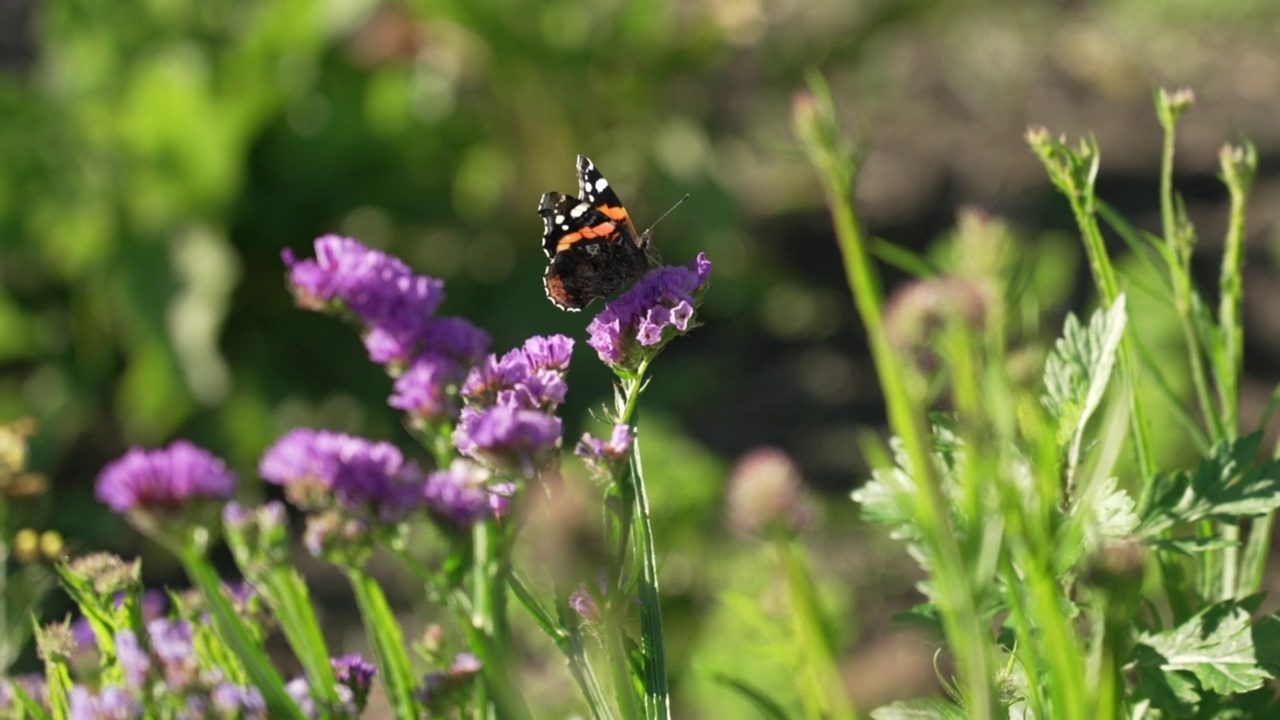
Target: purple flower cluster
x,y
355,678
429,354
463,494
355,673
368,479
110,702
508,422
164,480
171,669
606,458
640,321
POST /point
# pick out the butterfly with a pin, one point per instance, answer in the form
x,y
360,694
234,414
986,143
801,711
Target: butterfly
x,y
593,246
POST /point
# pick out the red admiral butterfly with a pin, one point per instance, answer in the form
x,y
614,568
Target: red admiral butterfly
x,y
593,245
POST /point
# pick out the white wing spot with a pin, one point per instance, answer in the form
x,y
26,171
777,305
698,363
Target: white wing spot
x,y
601,184
578,211
559,219
564,227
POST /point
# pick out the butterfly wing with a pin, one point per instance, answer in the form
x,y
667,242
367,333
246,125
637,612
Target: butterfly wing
x,y
591,255
596,191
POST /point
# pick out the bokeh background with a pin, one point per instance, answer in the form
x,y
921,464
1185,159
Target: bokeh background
x,y
156,157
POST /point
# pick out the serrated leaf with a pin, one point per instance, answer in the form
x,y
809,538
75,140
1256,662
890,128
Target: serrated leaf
x,y
1078,369
1222,487
1266,643
1190,545
1174,693
1215,646
931,709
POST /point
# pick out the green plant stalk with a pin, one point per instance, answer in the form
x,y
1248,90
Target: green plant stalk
x,y
289,598
1231,368
1230,313
965,631
569,644
636,518
657,700
1054,639
1180,276
234,633
1104,277
619,655
487,630
1025,651
387,642
822,691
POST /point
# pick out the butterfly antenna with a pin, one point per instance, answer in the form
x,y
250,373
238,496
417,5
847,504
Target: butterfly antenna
x,y
668,212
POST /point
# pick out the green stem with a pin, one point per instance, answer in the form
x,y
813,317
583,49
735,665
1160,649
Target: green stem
x,y
237,636
964,627
569,644
657,701
487,629
387,642
822,691
1231,367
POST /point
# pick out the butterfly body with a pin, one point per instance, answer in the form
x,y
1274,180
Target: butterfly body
x,y
593,246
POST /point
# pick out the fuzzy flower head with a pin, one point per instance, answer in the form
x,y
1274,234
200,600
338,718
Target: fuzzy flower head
x,y
154,488
640,322
766,493
318,469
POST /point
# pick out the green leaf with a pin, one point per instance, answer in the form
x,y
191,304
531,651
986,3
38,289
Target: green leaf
x,y
1077,370
765,705
930,709
238,637
1222,487
1190,545
1175,693
387,641
1216,646
287,595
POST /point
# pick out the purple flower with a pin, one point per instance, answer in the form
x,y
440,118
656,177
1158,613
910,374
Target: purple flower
x,y
451,337
640,321
354,671
133,659
606,459
112,703
303,458
238,701
355,674
300,691
582,602
172,644
379,289
423,390
617,446
164,479
500,498
367,478
438,688
531,376
460,494
507,436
